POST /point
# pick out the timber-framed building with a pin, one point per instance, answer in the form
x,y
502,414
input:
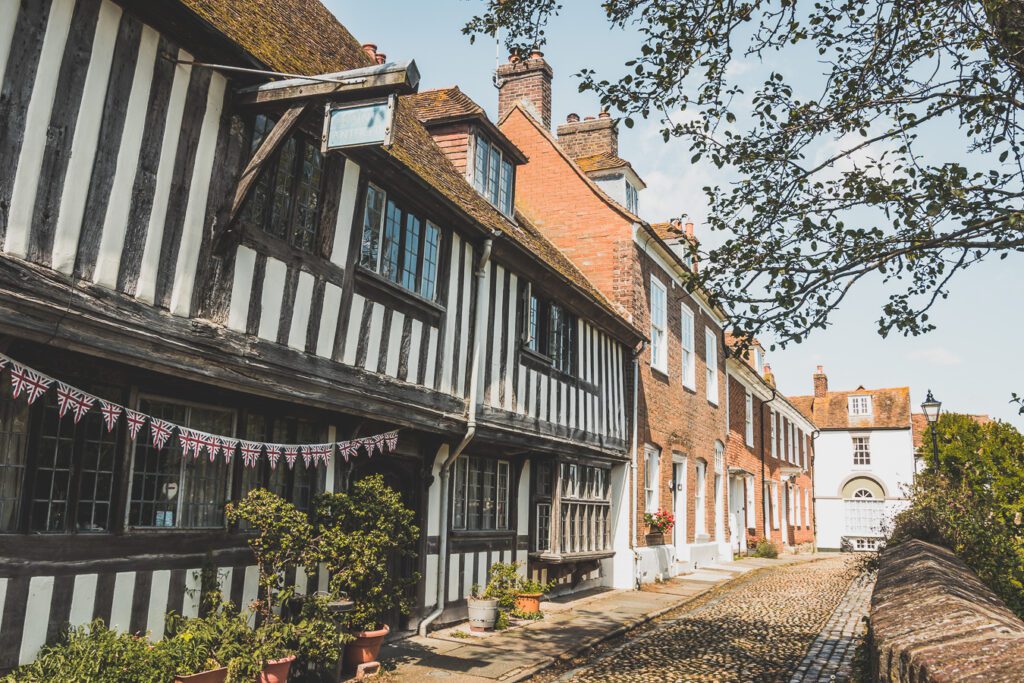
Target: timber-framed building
x,y
173,239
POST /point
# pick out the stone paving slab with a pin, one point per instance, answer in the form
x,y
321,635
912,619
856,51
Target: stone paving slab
x,y
572,625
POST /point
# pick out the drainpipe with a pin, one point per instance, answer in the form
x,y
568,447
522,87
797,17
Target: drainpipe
x,y
442,548
764,512
632,459
814,503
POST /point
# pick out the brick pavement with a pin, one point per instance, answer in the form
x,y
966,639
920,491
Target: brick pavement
x,y
830,657
757,628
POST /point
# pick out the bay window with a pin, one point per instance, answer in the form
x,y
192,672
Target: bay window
x,y
285,199
493,175
585,508
399,245
481,501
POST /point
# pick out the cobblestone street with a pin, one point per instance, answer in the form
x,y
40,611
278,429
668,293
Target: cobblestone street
x,y
757,628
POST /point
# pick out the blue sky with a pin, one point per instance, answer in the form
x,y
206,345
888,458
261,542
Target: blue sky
x,y
970,362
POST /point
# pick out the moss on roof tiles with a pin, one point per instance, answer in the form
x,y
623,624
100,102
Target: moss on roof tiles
x,y
303,37
444,103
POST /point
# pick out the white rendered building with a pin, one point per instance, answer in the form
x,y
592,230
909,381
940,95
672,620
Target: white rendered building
x,y
864,461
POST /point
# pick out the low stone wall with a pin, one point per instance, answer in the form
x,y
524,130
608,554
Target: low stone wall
x,y
933,620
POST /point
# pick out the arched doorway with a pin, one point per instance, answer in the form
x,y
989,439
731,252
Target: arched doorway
x,y
863,508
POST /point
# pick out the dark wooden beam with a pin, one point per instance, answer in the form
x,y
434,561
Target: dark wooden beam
x,y
401,78
224,228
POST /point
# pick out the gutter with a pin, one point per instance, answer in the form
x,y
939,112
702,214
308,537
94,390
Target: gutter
x,y
474,388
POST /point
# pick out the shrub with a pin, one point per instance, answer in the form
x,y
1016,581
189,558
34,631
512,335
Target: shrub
x,y
504,583
971,500
766,548
363,535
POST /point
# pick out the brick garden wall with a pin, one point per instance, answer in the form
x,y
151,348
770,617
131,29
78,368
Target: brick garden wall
x,y
933,620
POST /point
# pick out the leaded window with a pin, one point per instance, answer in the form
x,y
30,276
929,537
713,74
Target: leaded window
x,y
285,199
399,245
170,490
585,508
481,494
551,332
14,419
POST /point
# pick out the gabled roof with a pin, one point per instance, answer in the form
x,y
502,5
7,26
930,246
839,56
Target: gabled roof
x,y
447,105
890,409
304,37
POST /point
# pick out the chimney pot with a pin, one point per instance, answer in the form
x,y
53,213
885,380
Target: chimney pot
x,y
381,58
371,50
513,57
689,230
605,114
572,118
536,54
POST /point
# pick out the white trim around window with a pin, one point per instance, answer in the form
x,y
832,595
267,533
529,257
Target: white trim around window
x,y
686,339
659,325
749,418
711,361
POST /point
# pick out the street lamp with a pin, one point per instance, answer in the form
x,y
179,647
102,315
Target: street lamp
x,y
931,408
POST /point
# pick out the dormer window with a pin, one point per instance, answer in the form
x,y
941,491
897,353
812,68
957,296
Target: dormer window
x,y
860,405
493,175
632,198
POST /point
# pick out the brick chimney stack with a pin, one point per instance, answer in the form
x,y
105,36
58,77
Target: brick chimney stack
x,y
820,383
769,376
527,82
590,136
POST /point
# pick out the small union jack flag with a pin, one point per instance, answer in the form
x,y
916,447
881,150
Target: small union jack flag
x,y
325,452
251,452
189,442
307,454
111,413
368,443
347,449
135,421
227,446
71,399
212,445
160,431
31,382
291,453
391,439
378,442
4,360
274,454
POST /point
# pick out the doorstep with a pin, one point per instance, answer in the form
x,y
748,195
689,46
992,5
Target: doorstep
x,y
572,625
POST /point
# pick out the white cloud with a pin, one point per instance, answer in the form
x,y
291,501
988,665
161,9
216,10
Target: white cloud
x,y
935,355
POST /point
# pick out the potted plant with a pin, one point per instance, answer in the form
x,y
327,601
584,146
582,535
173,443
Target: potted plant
x,y
483,610
364,534
658,524
528,595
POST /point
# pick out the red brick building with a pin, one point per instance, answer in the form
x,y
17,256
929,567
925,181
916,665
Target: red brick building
x,y
584,197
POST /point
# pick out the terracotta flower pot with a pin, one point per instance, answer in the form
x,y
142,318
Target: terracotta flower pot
x,y
528,603
276,670
211,676
364,648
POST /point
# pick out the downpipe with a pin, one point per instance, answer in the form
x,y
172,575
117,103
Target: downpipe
x,y
442,548
633,464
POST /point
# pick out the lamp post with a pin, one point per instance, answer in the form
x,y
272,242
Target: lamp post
x,y
931,408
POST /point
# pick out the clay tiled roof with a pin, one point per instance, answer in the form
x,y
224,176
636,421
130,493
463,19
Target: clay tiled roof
x,y
602,162
920,422
890,409
444,104
303,37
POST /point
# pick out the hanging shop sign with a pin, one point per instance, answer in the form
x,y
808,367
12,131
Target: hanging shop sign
x,y
359,124
31,385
